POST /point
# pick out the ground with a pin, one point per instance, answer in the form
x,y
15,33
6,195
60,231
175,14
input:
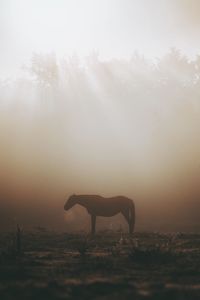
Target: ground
x,y
48,265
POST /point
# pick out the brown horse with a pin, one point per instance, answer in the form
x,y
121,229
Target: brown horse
x,y
105,207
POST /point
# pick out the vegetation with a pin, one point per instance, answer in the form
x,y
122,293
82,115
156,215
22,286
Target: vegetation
x,y
149,266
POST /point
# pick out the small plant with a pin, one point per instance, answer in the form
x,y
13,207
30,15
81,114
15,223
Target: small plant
x,y
83,247
18,239
114,250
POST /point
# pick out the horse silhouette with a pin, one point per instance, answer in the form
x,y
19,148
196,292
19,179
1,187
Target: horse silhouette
x,y
105,207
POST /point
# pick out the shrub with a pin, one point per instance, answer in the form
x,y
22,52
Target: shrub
x,y
160,254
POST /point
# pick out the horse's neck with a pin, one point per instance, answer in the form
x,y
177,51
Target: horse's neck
x,y
82,200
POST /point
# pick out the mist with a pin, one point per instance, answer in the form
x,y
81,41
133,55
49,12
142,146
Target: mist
x,y
106,127
108,122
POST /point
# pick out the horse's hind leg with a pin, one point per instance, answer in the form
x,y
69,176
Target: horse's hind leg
x,y
93,223
131,226
125,213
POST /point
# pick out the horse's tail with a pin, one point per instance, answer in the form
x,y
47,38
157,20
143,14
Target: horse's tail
x,y
132,216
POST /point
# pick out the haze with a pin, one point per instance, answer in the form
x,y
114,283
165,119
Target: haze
x,y
99,97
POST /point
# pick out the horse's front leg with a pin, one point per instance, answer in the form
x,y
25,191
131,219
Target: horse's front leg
x,y
93,223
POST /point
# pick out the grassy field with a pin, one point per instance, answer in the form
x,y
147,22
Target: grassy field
x,y
48,265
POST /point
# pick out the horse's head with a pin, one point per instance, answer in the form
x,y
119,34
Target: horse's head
x,y
70,202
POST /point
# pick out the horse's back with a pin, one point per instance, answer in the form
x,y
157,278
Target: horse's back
x,y
122,200
108,206
115,199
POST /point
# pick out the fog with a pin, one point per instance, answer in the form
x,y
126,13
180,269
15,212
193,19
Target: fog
x,y
112,124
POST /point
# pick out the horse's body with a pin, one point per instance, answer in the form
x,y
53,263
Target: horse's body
x,y
105,207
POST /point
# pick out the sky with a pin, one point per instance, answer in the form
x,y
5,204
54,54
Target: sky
x,y
114,28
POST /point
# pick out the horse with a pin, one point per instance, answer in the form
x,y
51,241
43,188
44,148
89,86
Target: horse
x,y
106,207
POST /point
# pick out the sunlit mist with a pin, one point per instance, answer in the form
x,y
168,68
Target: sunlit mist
x,y
99,97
